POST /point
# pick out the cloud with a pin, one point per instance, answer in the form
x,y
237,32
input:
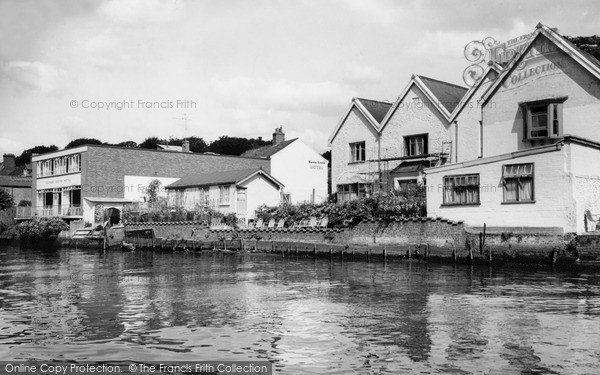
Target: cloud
x,y
355,73
379,11
136,12
31,75
321,98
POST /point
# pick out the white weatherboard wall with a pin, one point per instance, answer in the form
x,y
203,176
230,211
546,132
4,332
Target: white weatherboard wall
x,y
554,204
301,169
134,187
558,75
354,129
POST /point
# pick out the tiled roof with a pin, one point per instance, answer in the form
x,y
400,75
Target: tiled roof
x,y
216,178
14,181
448,94
19,170
267,151
377,109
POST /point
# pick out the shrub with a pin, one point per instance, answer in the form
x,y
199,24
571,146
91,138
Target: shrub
x,y
39,231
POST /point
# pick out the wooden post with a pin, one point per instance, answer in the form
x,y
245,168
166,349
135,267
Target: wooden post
x,y
384,254
255,244
427,253
454,255
408,253
368,254
481,243
471,255
330,252
315,250
490,251
152,243
484,226
342,253
272,246
296,249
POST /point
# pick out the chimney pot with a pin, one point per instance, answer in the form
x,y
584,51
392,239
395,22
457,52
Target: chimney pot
x,y
278,136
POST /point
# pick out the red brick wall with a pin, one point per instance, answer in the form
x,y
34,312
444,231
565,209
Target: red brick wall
x,y
104,168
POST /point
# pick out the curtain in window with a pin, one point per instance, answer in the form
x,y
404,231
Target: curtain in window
x,y
526,189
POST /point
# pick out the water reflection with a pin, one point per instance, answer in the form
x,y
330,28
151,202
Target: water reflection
x,y
306,316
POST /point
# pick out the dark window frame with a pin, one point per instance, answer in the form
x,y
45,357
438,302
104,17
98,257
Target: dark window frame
x,y
358,152
518,179
465,186
408,147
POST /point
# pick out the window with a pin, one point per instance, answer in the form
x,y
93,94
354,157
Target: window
x,y
461,190
223,194
542,120
415,145
348,192
518,183
357,152
204,196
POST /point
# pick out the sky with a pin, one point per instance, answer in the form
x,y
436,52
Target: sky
x,y
120,70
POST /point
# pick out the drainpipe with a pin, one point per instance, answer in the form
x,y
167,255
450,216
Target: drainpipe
x,y
456,141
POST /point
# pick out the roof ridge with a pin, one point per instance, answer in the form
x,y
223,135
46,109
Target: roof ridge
x,y
374,100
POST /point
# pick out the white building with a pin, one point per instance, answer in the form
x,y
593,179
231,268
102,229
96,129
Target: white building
x,y
240,192
539,148
301,169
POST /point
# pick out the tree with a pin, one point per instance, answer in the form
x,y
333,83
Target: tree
x,y
230,145
197,144
129,144
83,141
6,200
152,191
25,157
589,44
152,142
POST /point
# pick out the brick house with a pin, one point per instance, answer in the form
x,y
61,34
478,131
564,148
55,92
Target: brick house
x,y
539,147
16,180
380,145
83,182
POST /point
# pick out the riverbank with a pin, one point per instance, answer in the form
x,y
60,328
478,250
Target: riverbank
x,y
425,239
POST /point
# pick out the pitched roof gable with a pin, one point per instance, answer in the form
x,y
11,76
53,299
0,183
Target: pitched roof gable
x,y
450,95
373,110
267,151
467,98
220,178
582,58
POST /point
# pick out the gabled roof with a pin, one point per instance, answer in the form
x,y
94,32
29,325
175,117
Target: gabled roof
x,y
267,151
444,96
448,94
467,98
237,177
373,110
584,59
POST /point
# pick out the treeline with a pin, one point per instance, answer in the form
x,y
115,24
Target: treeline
x,y
224,145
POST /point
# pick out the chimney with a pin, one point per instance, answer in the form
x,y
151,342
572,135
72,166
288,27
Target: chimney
x,y
9,162
185,147
278,136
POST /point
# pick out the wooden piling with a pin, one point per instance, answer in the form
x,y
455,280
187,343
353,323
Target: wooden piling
x,y
315,251
426,252
342,253
384,254
330,252
454,255
408,253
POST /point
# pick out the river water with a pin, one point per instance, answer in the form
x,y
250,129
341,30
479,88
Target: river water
x,y
305,316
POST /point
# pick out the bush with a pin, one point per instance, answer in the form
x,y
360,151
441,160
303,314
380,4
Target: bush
x,y
386,206
39,231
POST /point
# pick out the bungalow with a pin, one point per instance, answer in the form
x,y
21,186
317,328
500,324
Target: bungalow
x,y
240,191
539,145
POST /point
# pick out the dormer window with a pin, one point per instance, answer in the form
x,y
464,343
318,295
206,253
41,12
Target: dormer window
x,y
542,119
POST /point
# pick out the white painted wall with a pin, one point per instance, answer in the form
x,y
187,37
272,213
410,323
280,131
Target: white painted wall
x,y
355,128
301,169
502,116
467,144
260,191
554,204
585,166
